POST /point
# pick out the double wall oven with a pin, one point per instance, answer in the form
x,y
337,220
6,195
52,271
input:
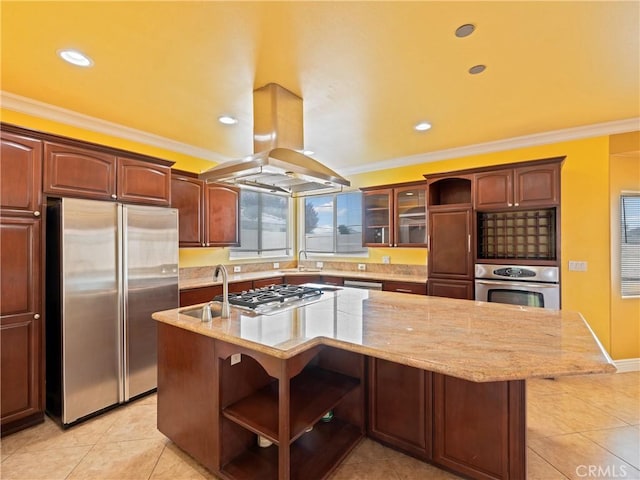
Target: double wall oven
x,y
533,286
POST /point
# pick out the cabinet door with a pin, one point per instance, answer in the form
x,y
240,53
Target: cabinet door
x,y
463,289
21,179
377,218
21,379
400,406
479,428
78,172
187,195
410,216
537,186
223,215
143,182
494,189
450,252
300,279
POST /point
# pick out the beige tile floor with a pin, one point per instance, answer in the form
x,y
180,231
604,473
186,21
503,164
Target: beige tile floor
x,y
578,427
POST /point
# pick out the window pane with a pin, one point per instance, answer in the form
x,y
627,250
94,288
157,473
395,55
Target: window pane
x,y
318,224
630,245
349,220
274,222
249,216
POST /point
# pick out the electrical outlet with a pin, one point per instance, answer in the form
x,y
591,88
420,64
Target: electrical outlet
x,y
319,264
276,265
237,269
577,266
236,358
386,259
362,267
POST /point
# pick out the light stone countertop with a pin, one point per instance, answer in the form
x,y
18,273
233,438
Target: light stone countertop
x,y
471,340
241,277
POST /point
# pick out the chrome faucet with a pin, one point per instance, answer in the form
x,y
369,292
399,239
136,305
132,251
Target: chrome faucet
x,y
301,267
225,289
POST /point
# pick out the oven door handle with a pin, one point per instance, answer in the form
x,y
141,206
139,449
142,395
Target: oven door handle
x,y
497,283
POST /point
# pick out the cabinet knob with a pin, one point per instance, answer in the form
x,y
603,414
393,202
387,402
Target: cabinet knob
x,y
36,316
114,196
509,204
516,204
36,213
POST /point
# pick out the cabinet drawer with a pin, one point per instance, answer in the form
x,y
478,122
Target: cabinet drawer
x,y
405,287
265,282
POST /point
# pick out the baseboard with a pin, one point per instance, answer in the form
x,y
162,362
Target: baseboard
x,y
628,365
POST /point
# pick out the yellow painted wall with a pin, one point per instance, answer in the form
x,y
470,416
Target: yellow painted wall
x,y
625,312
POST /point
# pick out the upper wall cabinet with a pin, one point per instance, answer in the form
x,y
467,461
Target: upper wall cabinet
x,y
21,179
208,214
395,215
76,171
523,186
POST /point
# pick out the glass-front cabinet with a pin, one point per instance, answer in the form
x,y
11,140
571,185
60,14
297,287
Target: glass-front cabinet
x,y
395,216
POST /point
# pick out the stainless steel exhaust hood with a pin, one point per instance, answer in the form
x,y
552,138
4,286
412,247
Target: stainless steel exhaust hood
x,y
277,165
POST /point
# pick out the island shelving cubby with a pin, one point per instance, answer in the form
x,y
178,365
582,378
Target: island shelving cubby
x,y
283,401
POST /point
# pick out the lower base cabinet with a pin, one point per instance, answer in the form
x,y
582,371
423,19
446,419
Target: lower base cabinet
x,y
215,411
400,407
463,289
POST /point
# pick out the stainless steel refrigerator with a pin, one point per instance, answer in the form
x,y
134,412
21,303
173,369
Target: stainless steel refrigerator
x,y
109,266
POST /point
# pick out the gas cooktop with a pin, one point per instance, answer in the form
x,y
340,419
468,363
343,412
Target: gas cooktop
x,y
272,297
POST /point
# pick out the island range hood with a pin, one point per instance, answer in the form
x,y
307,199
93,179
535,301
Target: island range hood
x,y
277,164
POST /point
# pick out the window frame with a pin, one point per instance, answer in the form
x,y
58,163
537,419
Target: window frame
x,y
301,234
238,253
629,287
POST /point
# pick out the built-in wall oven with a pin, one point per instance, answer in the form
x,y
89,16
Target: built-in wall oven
x,y
531,286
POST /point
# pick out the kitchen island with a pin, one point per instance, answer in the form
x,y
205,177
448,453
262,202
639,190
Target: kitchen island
x,y
440,379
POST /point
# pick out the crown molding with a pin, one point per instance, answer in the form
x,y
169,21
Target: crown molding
x,y
47,111
556,136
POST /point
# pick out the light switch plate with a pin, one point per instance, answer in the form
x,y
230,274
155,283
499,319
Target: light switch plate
x,y
276,265
362,266
577,266
386,259
319,264
237,269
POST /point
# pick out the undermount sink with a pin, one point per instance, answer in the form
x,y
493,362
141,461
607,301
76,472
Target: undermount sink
x,y
196,312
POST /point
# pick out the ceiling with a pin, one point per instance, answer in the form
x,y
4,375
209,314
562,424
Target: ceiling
x,y
367,71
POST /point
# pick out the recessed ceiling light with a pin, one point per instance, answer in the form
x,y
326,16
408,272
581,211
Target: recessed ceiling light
x,y
75,57
422,126
227,120
477,69
465,30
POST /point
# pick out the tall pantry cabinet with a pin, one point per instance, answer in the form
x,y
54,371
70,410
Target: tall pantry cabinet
x,y
21,322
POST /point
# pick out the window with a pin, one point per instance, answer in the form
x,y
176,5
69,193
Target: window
x,y
264,225
630,244
333,224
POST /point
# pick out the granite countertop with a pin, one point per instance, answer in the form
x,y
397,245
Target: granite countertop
x,y
471,340
241,277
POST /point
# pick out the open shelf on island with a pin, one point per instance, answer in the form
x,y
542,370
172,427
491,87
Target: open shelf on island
x,y
312,393
313,455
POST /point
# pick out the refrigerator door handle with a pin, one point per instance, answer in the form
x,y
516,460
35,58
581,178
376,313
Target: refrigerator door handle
x,y
123,394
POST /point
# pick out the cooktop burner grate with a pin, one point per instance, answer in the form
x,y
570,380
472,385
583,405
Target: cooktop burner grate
x,y
254,298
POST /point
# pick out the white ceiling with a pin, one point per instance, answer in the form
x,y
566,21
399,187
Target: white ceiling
x,y
367,71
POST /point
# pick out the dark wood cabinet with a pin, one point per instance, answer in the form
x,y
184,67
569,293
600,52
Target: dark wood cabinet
x,y
450,243
439,287
193,296
404,287
523,186
395,215
400,411
265,282
208,214
79,171
143,182
479,428
76,171
187,195
222,212
21,178
21,375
